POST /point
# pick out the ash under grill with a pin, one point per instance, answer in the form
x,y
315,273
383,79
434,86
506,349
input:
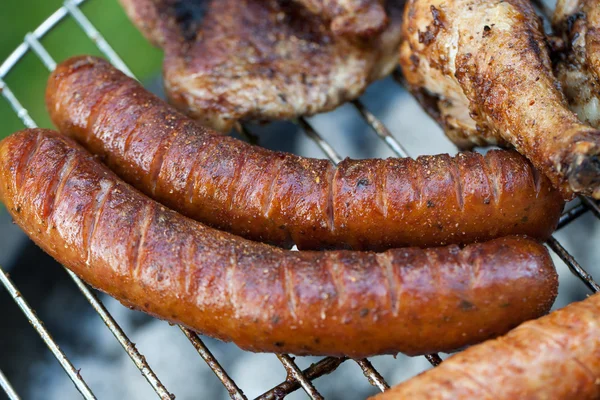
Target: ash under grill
x,y
296,377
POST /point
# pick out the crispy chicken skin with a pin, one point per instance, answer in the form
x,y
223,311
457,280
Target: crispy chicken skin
x,y
579,68
228,60
351,17
483,69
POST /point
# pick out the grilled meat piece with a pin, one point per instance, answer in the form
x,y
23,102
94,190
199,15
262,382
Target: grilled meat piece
x,y
351,17
579,69
228,60
556,357
484,68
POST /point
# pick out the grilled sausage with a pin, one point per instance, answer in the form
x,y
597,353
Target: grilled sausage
x,y
281,198
264,298
556,357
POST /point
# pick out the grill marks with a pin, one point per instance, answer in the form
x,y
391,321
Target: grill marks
x,y
232,285
94,216
159,156
240,161
337,278
331,174
418,181
288,288
491,175
98,111
146,217
57,186
455,173
273,185
384,260
192,178
25,158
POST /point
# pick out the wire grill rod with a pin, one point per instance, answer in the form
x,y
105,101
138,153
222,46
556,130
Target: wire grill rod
x,y
7,387
296,377
295,373
234,391
46,337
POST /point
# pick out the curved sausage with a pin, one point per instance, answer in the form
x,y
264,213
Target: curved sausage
x,y
556,357
264,298
283,199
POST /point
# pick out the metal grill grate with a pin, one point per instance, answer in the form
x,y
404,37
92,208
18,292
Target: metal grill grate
x,y
296,378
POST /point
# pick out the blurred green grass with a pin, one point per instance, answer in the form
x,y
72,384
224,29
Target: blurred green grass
x,y
28,78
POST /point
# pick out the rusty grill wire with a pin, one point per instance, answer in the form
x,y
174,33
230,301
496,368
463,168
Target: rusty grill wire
x,y
296,378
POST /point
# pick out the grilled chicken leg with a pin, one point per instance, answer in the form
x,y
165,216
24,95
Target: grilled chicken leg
x,y
579,70
482,69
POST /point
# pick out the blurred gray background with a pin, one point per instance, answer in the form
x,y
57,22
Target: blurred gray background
x,y
81,333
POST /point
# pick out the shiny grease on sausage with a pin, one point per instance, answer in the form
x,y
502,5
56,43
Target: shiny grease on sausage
x,y
261,297
284,199
556,357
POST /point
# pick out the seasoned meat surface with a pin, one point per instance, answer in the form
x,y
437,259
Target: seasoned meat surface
x,y
351,17
579,69
556,357
228,60
484,69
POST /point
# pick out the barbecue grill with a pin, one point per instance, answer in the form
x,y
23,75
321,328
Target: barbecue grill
x,y
296,378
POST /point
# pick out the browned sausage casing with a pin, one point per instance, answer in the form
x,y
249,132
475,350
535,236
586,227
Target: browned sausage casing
x,y
556,357
264,298
282,198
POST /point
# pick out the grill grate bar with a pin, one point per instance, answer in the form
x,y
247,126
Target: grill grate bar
x,y
246,134
322,367
38,325
573,264
591,205
7,387
21,112
40,31
372,375
138,359
234,391
295,373
434,359
95,36
571,215
318,139
40,51
380,129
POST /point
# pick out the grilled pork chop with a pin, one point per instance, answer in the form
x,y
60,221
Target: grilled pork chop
x,y
579,70
230,60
